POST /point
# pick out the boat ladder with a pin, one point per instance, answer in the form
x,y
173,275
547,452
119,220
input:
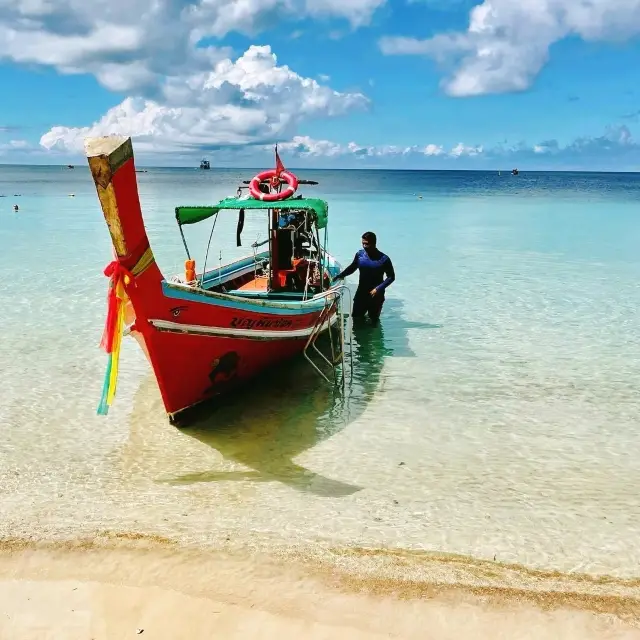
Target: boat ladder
x,y
332,313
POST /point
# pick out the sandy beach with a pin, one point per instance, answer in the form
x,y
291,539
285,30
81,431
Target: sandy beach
x,y
119,588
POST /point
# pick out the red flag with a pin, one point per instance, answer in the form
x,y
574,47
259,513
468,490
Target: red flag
x,y
279,165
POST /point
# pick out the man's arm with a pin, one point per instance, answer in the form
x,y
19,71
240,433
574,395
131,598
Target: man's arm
x,y
390,273
352,268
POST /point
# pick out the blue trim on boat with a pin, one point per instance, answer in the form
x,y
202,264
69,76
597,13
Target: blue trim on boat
x,y
253,306
281,296
214,277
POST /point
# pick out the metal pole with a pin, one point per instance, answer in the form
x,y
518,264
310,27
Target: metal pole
x,y
184,241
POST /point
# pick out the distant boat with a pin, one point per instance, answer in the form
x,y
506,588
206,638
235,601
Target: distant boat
x,y
70,166
515,172
204,164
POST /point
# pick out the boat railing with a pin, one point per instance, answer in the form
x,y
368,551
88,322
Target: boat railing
x,y
333,309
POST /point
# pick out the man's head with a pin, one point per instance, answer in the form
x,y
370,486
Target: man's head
x,y
369,240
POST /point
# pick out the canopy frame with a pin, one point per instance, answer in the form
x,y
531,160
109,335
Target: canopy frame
x,y
317,208
195,214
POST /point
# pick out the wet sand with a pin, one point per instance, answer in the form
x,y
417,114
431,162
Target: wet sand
x,y
118,587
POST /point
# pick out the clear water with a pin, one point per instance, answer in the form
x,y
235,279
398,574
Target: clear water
x,y
494,414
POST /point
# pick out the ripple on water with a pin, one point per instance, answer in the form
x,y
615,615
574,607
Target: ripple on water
x,y
493,414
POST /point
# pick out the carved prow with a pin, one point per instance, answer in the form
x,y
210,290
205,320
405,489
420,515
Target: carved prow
x,y
113,170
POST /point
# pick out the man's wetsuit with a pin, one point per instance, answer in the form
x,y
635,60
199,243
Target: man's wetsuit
x,y
373,267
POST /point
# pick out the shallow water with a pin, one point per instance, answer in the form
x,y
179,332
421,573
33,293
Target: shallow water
x,y
494,413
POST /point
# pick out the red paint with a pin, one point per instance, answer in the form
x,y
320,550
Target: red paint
x,y
183,363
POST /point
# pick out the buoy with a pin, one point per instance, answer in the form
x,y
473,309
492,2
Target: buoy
x,y
275,179
190,270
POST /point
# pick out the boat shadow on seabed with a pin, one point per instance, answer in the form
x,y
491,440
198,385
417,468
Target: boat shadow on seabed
x,y
265,425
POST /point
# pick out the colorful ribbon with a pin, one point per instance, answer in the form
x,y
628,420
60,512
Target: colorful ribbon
x,y
113,328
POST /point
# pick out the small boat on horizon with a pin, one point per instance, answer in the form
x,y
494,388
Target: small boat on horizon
x,y
206,332
515,172
204,164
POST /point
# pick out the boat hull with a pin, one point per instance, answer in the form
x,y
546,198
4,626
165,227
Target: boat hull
x,y
191,369
200,343
200,350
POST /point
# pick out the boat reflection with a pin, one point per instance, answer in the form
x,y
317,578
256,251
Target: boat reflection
x,y
266,426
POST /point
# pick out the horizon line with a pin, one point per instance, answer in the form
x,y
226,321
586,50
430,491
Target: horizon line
x,y
238,168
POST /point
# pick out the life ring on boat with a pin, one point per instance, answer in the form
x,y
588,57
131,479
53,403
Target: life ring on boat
x,y
275,180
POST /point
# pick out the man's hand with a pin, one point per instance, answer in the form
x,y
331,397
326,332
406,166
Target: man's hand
x,y
374,293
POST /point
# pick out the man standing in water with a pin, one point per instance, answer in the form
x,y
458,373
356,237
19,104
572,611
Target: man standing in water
x,y
373,265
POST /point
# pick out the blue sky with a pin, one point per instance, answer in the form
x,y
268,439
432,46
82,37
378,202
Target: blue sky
x,y
457,84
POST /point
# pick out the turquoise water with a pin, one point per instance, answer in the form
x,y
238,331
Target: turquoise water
x,y
495,413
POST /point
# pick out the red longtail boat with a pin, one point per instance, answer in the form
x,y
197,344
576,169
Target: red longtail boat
x,y
206,333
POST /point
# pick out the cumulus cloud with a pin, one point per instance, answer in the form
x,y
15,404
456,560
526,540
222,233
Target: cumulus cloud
x,y
132,44
249,101
17,146
184,90
615,141
615,144
358,12
549,146
464,150
613,149
433,150
507,43
304,146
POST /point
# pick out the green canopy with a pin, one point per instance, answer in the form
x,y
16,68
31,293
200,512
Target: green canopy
x,y
191,215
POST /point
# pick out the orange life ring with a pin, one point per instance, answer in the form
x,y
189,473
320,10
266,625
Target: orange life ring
x,y
275,180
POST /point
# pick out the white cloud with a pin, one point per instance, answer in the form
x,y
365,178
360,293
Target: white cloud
x,y
433,150
616,145
507,42
615,149
463,150
132,44
304,146
183,89
248,101
16,146
358,12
